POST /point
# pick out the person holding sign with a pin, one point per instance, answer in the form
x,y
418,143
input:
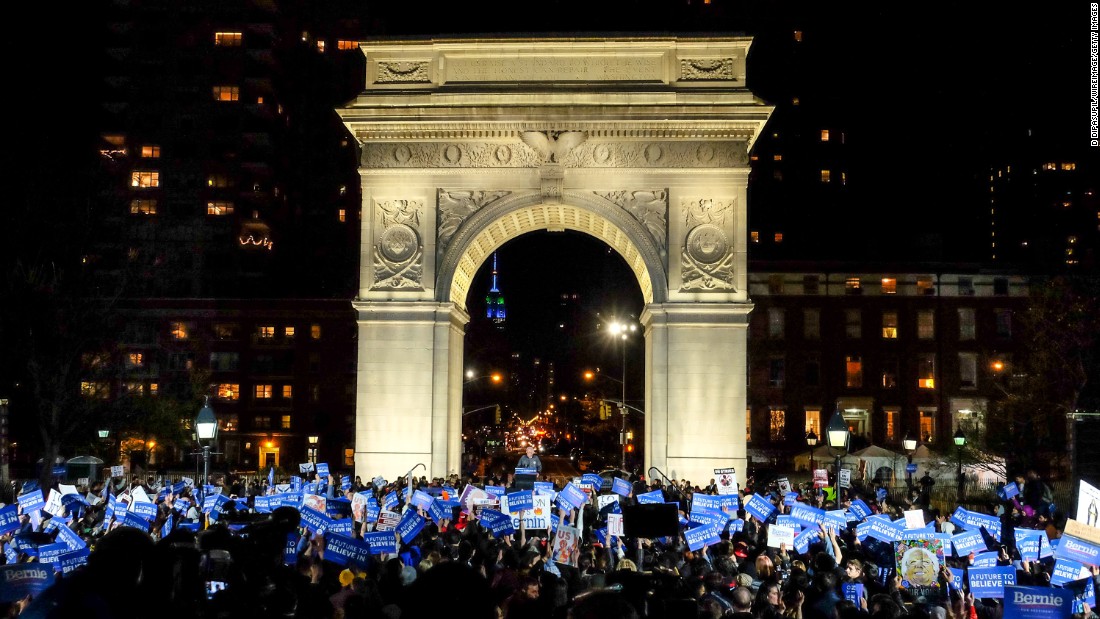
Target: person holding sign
x,y
530,461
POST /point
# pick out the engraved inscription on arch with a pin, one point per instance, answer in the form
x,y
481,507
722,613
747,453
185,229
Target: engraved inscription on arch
x,y
706,256
398,257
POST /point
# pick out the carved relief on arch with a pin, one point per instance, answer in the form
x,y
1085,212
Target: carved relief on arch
x,y
649,207
398,256
706,255
455,207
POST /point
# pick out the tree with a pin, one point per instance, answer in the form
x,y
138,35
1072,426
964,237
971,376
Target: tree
x,y
1058,344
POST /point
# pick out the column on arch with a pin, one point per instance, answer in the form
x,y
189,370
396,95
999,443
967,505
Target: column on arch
x,y
696,388
408,388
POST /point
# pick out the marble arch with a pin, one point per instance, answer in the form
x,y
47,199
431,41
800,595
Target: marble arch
x,y
466,144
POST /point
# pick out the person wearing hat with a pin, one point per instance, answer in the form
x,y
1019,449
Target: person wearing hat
x,y
338,599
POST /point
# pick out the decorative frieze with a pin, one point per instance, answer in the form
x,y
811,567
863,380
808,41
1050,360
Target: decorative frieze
x,y
708,69
568,148
398,258
402,72
706,257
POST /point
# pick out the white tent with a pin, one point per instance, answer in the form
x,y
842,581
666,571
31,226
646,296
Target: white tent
x,y
945,466
824,457
881,464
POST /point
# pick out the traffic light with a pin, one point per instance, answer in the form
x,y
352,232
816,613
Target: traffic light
x,y
496,417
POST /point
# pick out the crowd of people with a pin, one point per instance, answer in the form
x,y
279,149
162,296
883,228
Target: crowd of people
x,y
272,549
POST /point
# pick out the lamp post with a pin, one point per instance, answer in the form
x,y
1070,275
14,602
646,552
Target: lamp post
x,y
313,438
960,442
206,431
909,445
623,331
811,442
837,434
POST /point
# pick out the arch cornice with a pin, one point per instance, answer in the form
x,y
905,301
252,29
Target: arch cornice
x,y
521,212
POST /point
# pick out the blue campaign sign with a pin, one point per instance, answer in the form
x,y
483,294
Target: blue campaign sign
x,y
910,468
421,499
956,581
574,496
784,520
958,517
518,501
437,512
410,525
985,559
790,498
736,525
526,471
345,482
130,519
621,487
147,511
1030,543
1077,549
1037,603
758,507
381,542
9,519
262,504
709,518
990,582
373,509
836,519
58,471
698,536
72,559
166,528
70,538
860,509
545,487
1008,491
390,500
807,515
973,521
497,491
313,519
592,479
49,553
968,542
290,549
322,469
803,540
853,592
343,526
295,483
31,501
651,498
1066,571
22,580
714,503
498,523
882,529
344,550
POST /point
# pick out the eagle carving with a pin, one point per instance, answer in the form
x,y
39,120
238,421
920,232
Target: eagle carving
x,y
552,146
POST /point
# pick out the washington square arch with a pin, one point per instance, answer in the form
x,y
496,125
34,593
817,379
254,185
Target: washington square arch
x,y
641,143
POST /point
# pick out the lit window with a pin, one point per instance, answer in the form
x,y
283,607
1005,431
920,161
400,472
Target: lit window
x,y
135,360
288,392
219,208
926,324
144,179
778,237
826,176
143,207
349,456
134,389
1069,166
843,178
798,36
1050,166
926,286
852,285
227,39
267,333
114,140
178,330
154,389
755,236
928,425
227,93
229,391
284,423
926,371
891,417
315,332
889,285
754,157
777,157
346,45
824,135
150,152
219,181
777,425
853,323
320,46
813,422
288,332
93,389
262,392
794,101
890,325
748,425
890,373
342,215
224,331
853,371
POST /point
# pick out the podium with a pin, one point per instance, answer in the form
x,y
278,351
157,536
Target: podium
x,y
524,479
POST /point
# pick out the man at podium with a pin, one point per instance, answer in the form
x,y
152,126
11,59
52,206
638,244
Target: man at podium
x,y
530,461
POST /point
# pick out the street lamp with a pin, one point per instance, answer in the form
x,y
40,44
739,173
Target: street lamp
x,y
909,444
313,447
960,442
623,331
206,431
837,434
811,442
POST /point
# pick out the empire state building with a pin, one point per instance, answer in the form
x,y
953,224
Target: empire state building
x,y
494,301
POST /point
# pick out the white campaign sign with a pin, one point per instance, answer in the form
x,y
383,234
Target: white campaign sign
x,y
615,525
845,478
118,471
1088,504
538,517
778,534
604,500
726,480
914,519
53,504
